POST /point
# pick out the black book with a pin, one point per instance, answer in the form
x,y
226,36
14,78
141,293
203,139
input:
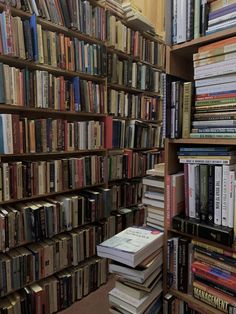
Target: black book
x,y
183,265
211,196
190,19
215,233
28,40
203,176
66,13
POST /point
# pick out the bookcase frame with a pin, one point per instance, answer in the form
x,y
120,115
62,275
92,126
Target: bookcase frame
x,y
179,63
77,116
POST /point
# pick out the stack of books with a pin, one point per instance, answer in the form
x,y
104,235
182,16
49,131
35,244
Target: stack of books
x,y
214,279
222,16
153,196
136,19
215,80
137,262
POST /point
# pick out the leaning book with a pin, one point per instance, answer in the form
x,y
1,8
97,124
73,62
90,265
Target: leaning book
x,y
131,246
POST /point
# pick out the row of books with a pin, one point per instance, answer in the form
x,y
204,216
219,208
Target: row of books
x,y
28,40
23,135
126,193
137,262
209,180
153,196
30,178
39,220
58,292
132,42
78,15
133,74
132,134
215,81
40,89
215,290
25,265
130,164
133,106
177,107
171,303
203,270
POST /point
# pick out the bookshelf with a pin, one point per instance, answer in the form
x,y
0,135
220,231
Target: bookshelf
x,y
179,63
100,224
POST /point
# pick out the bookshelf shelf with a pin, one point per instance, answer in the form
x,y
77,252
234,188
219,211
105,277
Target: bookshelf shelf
x,y
44,67
37,197
126,56
51,112
133,90
223,247
197,305
125,179
51,154
215,141
139,119
191,47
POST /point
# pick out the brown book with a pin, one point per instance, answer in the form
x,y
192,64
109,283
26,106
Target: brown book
x,y
32,144
16,134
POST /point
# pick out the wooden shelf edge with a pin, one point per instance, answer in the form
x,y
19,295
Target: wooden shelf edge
x,y
204,141
196,304
4,107
205,39
133,90
218,245
46,195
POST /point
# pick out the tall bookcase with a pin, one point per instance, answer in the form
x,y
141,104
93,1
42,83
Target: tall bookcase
x,y
180,64
102,226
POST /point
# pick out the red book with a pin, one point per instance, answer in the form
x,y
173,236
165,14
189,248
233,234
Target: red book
x,y
108,132
62,94
129,154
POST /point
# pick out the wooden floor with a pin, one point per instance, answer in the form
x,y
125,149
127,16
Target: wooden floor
x,y
94,303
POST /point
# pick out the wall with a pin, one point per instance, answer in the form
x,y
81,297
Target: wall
x,y
154,11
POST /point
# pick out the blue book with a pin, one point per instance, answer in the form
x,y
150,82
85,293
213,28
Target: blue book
x,y
1,137
4,32
82,53
206,149
206,153
33,25
76,85
2,90
223,11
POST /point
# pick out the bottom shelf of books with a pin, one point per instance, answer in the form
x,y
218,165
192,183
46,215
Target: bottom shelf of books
x,y
200,228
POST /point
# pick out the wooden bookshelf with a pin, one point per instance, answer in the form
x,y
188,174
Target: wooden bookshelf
x,y
179,63
194,303
32,112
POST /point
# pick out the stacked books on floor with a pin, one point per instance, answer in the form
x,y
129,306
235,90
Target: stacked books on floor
x,y
136,255
153,196
214,276
173,305
222,15
215,81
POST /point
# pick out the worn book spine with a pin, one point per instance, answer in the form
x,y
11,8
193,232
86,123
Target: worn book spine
x,y
203,178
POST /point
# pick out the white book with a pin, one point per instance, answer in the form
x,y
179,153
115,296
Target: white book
x,y
217,123
154,195
181,21
191,190
153,182
154,226
131,304
216,80
211,161
231,199
7,133
218,195
155,221
225,193
209,70
197,9
134,74
126,247
222,18
216,88
221,25
148,201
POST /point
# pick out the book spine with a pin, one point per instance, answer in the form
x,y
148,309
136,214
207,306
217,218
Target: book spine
x,y
191,193
225,199
231,196
187,103
204,192
183,265
211,194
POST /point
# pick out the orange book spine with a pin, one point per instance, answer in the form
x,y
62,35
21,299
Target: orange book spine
x,y
218,44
